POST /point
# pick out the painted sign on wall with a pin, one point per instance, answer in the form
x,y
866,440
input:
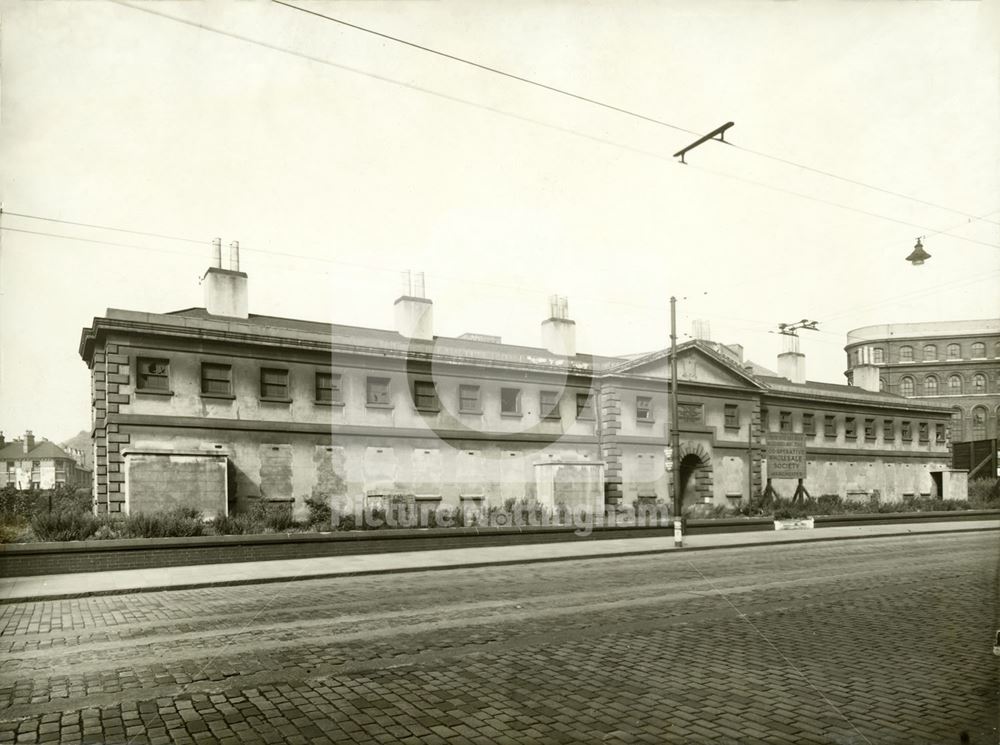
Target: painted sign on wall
x,y
786,455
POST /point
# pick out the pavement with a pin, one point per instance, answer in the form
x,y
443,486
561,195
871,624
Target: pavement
x,y
78,584
850,642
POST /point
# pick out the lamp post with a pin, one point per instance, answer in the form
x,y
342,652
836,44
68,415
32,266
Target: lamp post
x,y
675,435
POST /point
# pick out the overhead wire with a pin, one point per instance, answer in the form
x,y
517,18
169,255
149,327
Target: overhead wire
x,y
612,107
455,99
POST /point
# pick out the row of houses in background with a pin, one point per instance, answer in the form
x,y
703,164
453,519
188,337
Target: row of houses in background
x,y
956,363
216,406
30,464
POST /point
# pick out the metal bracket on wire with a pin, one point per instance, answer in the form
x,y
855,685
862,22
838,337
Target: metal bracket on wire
x,y
720,131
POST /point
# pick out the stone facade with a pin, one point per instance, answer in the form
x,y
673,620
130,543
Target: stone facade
x,y
300,409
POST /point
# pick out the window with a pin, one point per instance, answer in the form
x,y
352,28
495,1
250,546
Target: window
x,y
878,355
979,383
784,421
216,379
888,430
881,385
906,387
979,423
869,429
923,432
957,423
978,350
906,429
996,350
468,399
930,386
584,406
830,426
643,409
850,428
152,374
377,392
732,416
954,385
548,404
906,354
954,352
930,352
425,395
510,401
328,388
809,424
939,433
273,383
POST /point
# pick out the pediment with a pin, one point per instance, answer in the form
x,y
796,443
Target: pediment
x,y
694,364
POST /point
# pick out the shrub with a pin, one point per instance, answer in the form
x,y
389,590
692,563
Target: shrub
x,y
238,524
985,493
179,522
278,517
320,512
63,526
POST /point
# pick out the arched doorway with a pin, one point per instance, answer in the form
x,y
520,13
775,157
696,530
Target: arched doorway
x,y
695,476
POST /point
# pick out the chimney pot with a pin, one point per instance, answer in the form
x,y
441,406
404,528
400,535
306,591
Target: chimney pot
x,y
217,253
234,256
29,442
791,362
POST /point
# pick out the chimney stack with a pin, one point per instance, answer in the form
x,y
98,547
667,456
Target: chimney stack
x,y
3,441
226,289
865,374
558,331
29,442
791,362
414,312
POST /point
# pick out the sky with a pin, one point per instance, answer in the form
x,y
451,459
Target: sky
x,y
339,159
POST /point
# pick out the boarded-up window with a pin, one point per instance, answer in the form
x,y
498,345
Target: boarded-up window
x,y
377,391
273,383
510,400
425,395
468,399
548,404
152,374
584,406
427,471
216,379
732,416
809,424
329,388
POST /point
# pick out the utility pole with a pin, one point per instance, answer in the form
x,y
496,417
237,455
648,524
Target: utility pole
x,y
675,434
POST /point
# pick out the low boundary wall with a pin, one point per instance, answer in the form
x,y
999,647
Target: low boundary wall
x,y
30,559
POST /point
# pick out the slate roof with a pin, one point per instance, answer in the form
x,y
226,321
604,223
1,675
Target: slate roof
x,y
43,450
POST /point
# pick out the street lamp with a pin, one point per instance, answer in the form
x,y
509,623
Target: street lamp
x,y
918,256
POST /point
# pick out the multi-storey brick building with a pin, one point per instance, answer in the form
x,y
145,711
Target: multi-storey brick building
x,y
30,464
952,362
214,405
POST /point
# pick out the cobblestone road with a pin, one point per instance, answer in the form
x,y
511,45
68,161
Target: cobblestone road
x,y
864,641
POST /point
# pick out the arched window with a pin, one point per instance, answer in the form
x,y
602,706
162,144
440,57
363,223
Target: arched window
x,y
979,423
930,352
954,352
906,387
906,354
978,349
930,386
996,350
878,355
954,385
881,384
979,383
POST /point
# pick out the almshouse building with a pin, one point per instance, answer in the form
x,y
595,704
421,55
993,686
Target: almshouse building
x,y
956,363
215,407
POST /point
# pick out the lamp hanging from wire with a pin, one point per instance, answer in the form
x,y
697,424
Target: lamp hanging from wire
x,y
918,256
